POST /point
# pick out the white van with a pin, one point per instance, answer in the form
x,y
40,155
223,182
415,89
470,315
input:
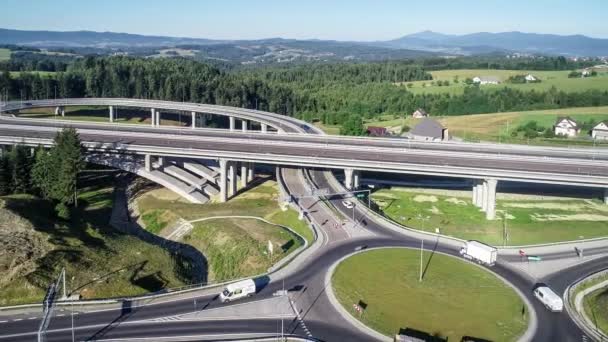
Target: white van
x,y
551,300
243,288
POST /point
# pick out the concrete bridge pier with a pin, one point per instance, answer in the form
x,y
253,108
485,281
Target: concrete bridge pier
x,y
232,186
223,180
153,113
606,196
356,179
264,128
244,173
477,193
111,114
245,125
158,118
491,198
193,119
60,110
250,171
148,162
232,122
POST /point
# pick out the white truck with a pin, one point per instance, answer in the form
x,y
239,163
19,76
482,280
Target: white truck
x,y
550,299
241,289
479,252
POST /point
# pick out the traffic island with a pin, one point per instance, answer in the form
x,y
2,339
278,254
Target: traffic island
x,y
390,292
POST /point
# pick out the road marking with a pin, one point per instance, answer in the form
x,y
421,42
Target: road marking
x,y
32,318
300,320
3,321
18,319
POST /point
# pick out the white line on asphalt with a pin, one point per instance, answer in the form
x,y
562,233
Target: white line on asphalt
x,y
3,321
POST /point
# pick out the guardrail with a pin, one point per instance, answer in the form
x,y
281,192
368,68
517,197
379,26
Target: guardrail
x,y
580,318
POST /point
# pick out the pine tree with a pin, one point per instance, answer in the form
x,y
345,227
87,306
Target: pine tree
x,y
5,176
21,166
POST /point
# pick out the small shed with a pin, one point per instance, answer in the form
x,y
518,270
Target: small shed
x,y
600,131
375,131
420,113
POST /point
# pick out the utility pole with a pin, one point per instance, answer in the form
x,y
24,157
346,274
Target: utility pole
x,y
421,248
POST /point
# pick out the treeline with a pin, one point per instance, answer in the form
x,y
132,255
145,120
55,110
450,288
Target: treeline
x,y
505,63
330,93
49,173
321,74
32,61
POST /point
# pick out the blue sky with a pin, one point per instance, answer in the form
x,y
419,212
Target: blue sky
x,y
329,19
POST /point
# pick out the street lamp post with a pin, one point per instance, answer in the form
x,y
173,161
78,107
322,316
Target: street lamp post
x,y
421,248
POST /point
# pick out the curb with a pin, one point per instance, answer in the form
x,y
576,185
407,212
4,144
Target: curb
x,y
527,336
580,318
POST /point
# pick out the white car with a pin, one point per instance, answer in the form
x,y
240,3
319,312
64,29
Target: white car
x,y
550,299
241,289
348,204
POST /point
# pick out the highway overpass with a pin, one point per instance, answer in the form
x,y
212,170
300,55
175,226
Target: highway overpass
x,y
486,164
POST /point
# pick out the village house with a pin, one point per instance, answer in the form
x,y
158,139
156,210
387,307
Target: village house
x,y
374,131
566,126
481,80
428,130
530,78
600,131
420,113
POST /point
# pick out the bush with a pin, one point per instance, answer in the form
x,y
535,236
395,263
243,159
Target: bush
x,y
63,211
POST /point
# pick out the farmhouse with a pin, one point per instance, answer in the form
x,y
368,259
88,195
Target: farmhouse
x,y
481,80
420,113
600,131
429,130
566,126
531,78
374,131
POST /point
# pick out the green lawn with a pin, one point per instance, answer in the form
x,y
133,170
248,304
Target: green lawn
x,y
558,79
100,261
596,307
234,247
237,248
5,54
529,220
455,298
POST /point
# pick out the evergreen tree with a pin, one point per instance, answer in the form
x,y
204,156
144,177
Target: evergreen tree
x,y
20,167
5,176
68,154
43,174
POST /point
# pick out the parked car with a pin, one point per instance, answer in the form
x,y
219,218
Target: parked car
x,y
241,289
348,204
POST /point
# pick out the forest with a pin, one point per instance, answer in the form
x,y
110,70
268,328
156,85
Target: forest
x,y
329,92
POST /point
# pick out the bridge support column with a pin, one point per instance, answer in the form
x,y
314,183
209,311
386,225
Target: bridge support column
x,y
606,196
160,161
244,173
158,118
490,198
245,125
232,123
111,114
484,195
356,179
250,172
478,193
223,180
153,120
232,179
474,193
264,128
193,119
348,178
148,162
60,110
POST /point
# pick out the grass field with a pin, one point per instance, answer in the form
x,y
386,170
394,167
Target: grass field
x,y
528,220
100,261
450,302
558,79
499,126
5,54
238,248
234,247
595,305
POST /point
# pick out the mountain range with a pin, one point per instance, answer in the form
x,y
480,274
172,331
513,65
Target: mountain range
x,y
423,43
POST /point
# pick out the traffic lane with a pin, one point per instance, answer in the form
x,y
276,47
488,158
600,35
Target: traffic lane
x,y
538,165
310,138
561,280
587,252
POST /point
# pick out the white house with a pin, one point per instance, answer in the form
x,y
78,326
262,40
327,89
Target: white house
x,y
420,113
530,78
481,80
586,73
566,126
600,131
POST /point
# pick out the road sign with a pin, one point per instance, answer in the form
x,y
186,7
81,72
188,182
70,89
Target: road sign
x,y
534,258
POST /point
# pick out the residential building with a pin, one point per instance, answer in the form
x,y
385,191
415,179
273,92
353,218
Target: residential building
x,y
481,80
530,78
428,130
600,131
566,126
420,113
374,131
